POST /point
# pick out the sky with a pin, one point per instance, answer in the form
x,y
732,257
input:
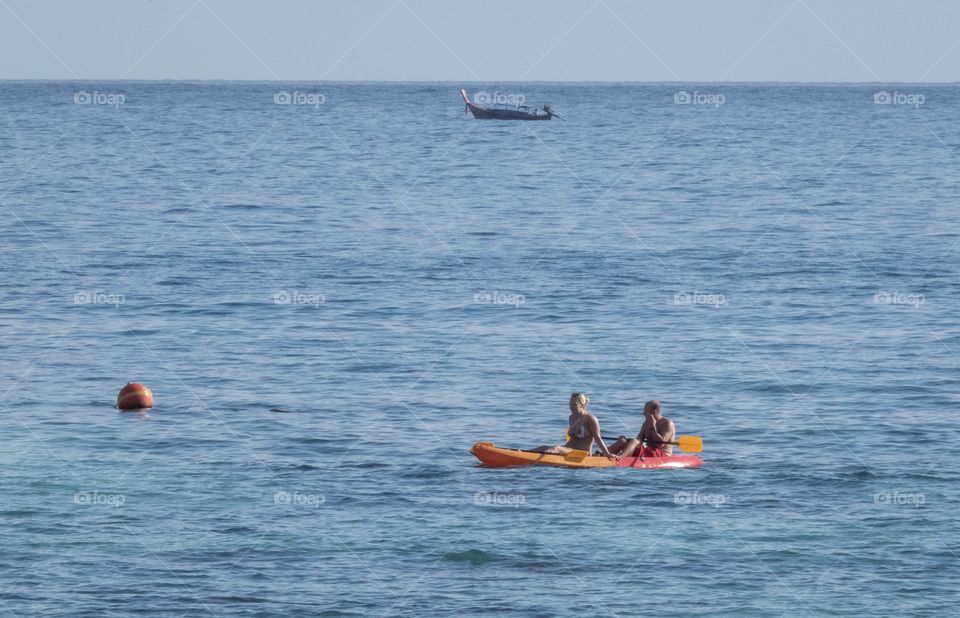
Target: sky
x,y
483,40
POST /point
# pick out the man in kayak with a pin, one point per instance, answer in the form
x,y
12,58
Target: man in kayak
x,y
657,432
583,430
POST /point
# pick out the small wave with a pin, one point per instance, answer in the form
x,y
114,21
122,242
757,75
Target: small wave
x,y
858,473
429,473
819,476
283,467
140,332
367,465
240,599
18,513
476,557
174,281
314,440
235,529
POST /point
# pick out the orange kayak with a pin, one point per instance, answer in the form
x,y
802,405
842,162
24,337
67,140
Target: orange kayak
x,y
494,456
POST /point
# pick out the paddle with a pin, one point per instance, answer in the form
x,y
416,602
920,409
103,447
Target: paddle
x,y
574,455
547,109
690,444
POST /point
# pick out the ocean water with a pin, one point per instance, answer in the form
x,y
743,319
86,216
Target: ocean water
x,y
333,298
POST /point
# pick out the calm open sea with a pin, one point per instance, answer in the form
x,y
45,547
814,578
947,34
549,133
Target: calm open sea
x,y
335,289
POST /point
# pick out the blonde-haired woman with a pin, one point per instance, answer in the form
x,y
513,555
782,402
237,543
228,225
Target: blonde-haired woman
x,y
583,430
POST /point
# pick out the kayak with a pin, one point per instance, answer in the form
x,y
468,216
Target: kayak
x,y
494,456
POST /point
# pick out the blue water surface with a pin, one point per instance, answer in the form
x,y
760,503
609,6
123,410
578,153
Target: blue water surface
x,y
334,289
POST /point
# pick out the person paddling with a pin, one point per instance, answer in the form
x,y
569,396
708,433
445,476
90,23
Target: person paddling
x,y
583,430
657,432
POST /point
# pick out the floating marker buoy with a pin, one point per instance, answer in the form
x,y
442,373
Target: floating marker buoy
x,y
134,396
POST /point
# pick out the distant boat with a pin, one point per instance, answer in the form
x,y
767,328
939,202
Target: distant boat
x,y
505,112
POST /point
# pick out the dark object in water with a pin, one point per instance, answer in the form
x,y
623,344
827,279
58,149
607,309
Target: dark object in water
x,y
520,112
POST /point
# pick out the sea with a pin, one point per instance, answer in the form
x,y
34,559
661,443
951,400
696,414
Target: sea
x,y
334,289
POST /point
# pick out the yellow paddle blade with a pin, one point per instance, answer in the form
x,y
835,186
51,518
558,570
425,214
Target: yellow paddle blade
x,y
691,444
576,455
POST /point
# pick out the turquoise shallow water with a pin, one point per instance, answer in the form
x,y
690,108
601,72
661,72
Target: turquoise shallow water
x,y
333,300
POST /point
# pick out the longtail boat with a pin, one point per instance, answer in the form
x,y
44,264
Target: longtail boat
x,y
505,112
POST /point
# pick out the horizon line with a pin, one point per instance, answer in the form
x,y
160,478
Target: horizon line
x,y
448,81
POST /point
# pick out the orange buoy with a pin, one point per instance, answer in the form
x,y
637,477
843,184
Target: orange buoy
x,y
134,396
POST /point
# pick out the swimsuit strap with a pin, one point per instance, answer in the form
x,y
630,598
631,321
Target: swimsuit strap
x,y
577,430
